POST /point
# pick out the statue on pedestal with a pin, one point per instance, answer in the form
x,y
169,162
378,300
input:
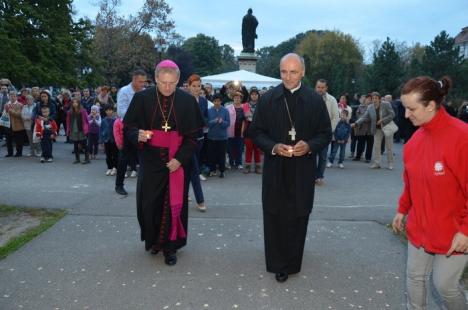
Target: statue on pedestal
x,y
249,26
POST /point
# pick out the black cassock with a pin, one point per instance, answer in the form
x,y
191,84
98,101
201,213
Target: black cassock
x,y
153,206
288,183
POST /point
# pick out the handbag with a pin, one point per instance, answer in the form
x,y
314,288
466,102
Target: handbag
x,y
390,129
5,119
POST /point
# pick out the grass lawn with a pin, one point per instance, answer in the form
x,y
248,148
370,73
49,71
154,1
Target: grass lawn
x,y
44,219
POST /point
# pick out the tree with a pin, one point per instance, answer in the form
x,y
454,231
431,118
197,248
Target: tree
x,y
41,46
271,56
206,54
228,60
333,56
183,59
126,44
386,71
441,57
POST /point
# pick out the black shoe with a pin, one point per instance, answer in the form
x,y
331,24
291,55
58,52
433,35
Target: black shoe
x,y
170,259
86,161
18,155
154,251
281,277
221,175
121,191
356,159
9,155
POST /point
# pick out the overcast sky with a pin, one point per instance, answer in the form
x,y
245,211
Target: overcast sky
x,y
410,21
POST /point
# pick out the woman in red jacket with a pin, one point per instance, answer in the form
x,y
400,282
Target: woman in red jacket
x,y
435,196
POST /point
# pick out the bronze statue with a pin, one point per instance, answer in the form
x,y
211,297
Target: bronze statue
x,y
249,25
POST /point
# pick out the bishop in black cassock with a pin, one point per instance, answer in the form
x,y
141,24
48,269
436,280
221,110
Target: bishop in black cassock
x,y
157,114
287,116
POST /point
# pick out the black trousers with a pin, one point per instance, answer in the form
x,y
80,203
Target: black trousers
x,y
126,157
18,138
217,154
366,142
111,154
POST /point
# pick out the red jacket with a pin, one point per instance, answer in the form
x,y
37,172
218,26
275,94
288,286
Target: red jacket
x,y
118,132
435,195
39,128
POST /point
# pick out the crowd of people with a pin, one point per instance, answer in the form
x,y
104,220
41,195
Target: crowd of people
x,y
179,136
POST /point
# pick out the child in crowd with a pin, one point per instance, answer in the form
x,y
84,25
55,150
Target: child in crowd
x,y
107,137
341,136
46,130
250,147
77,130
218,122
94,119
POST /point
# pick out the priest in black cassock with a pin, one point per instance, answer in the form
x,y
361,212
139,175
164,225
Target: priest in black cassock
x,y
163,122
291,124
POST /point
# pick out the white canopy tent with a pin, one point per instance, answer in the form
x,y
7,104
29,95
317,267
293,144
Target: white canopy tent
x,y
247,78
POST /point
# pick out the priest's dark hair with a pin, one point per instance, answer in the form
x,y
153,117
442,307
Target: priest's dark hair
x,y
428,88
138,72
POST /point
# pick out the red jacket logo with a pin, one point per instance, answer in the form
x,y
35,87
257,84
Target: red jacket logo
x,y
439,168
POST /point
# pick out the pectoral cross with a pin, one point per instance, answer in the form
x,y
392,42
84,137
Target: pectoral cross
x,y
292,133
166,127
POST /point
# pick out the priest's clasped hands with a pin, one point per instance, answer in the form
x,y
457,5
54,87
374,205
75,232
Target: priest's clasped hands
x,y
301,148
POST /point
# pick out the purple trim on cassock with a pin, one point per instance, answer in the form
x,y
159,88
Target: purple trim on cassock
x,y
172,140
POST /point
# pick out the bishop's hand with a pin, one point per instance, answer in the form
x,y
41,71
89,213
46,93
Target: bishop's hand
x,y
173,165
301,148
143,135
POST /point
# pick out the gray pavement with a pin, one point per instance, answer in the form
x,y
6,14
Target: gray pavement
x,y
93,259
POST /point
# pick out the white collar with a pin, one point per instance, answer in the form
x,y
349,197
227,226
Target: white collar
x,y
295,89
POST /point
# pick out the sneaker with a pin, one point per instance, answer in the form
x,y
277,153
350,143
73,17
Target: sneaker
x,y
213,173
108,172
374,166
202,177
341,166
329,164
42,159
228,166
201,207
134,174
247,169
121,190
49,160
113,171
319,182
390,167
127,174
240,167
221,175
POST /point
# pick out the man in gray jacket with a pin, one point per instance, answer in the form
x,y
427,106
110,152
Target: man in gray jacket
x,y
379,113
321,88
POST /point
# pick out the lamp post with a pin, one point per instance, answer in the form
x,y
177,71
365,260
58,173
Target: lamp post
x,y
160,46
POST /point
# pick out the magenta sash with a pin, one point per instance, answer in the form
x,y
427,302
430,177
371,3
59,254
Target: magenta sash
x,y
172,140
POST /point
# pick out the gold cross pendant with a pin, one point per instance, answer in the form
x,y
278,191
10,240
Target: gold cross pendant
x,y
166,127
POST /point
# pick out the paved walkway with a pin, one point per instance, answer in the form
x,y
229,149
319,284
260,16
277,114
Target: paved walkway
x,y
93,259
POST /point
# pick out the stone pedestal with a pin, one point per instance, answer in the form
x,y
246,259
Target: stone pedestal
x,y
248,62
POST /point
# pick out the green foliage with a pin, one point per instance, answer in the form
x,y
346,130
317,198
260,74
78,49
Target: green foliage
x,y
206,54
333,56
40,42
124,44
386,72
228,60
270,57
